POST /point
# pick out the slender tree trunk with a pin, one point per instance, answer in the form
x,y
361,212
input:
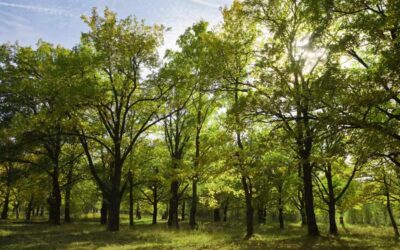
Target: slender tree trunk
x,y
16,208
226,210
138,213
173,205
155,205
67,209
389,208
29,209
341,219
280,209
217,216
41,211
331,202
130,180
4,213
261,213
166,213
183,210
300,195
193,208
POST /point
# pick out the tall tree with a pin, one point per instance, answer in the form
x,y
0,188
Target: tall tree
x,y
125,104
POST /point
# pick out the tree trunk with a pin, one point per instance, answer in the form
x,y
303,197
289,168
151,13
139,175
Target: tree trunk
x,y
309,199
130,180
16,208
389,209
113,212
226,210
29,209
4,213
173,205
280,209
331,202
138,213
281,221
67,209
261,213
55,199
183,210
193,208
249,208
103,211
165,214
41,211
341,219
217,217
155,205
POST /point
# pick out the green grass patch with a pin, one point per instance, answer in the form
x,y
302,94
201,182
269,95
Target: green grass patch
x,y
88,234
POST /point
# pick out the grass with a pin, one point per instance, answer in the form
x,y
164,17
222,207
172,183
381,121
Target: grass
x,y
88,234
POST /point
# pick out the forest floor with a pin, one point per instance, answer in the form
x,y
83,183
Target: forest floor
x,y
88,234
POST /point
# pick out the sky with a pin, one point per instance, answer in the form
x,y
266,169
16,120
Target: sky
x,y
59,22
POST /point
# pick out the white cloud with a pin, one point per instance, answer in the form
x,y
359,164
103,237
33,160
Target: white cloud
x,y
50,11
206,3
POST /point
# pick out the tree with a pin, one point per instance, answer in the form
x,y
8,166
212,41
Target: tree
x,y
125,104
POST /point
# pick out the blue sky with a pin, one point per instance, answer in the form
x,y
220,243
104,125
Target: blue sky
x,y
58,21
